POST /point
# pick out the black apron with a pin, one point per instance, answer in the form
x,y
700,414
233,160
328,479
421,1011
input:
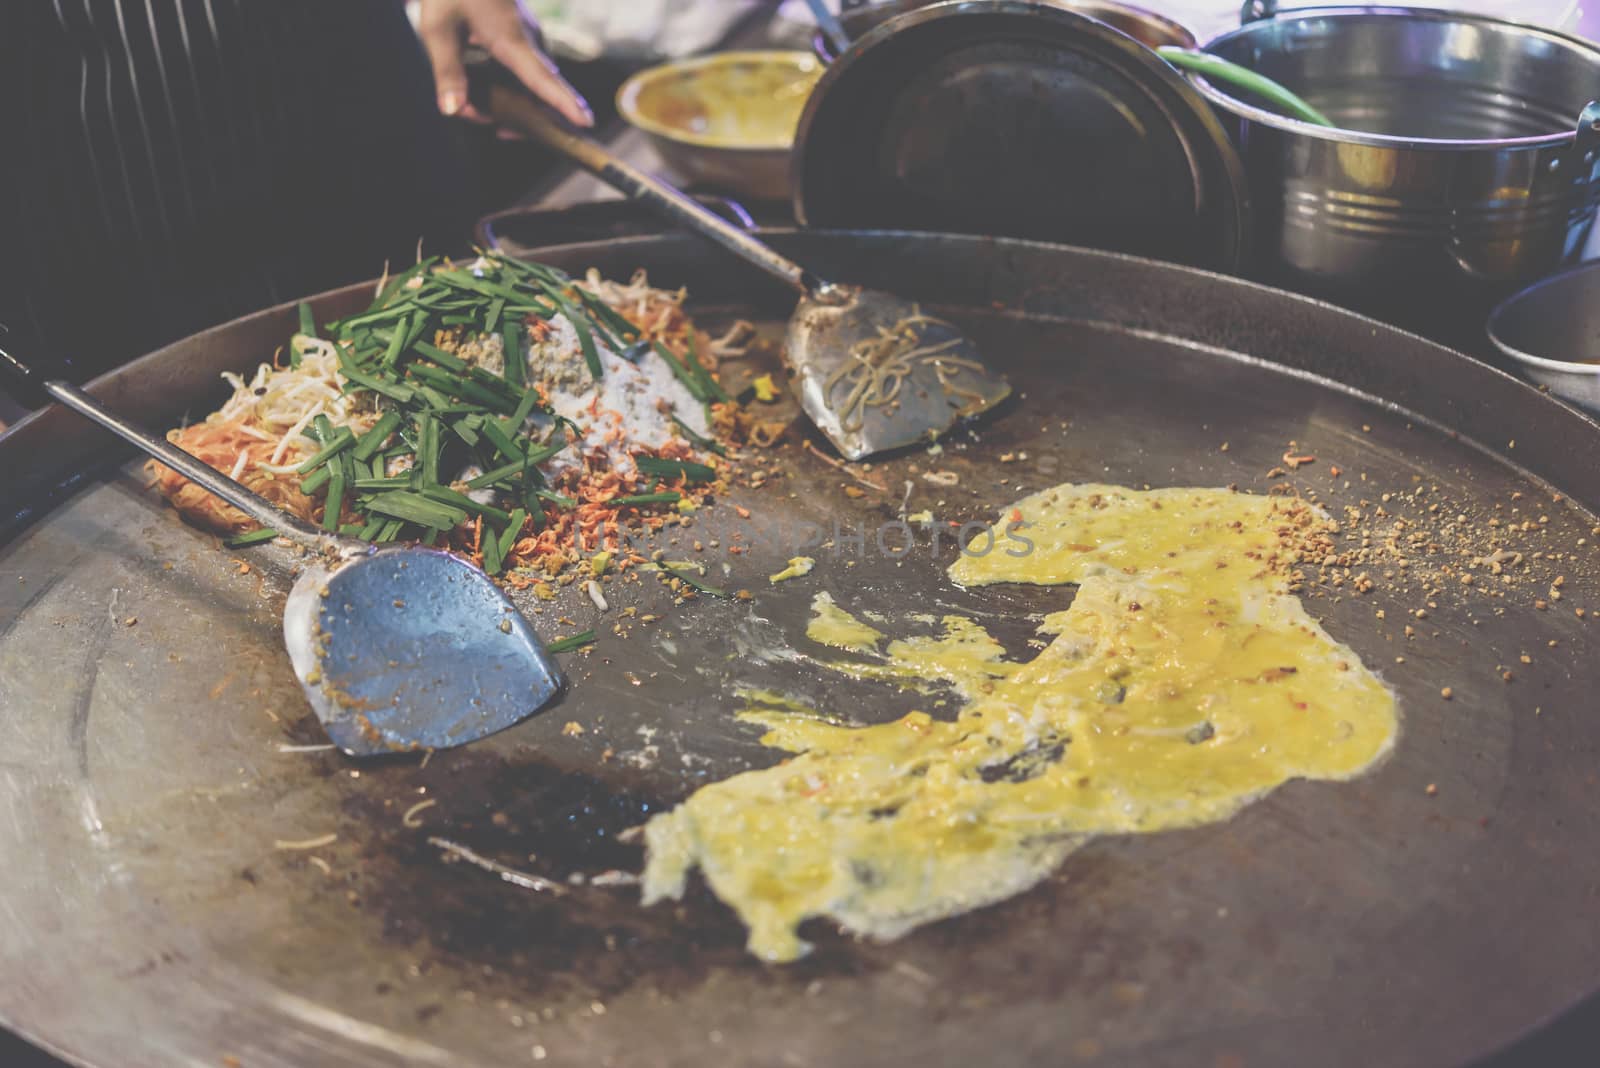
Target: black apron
x,y
166,165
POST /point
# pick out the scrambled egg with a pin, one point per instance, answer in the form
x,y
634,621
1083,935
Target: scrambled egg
x,y
1184,682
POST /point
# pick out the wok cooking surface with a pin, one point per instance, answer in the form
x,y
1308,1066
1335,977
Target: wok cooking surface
x,y
1429,912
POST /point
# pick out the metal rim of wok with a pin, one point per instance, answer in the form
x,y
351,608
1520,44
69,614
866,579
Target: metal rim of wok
x,y
150,918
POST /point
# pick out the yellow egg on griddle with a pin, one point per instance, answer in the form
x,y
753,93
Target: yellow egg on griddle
x,y
1184,682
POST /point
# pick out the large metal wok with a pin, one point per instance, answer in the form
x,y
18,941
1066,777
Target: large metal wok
x,y
1426,914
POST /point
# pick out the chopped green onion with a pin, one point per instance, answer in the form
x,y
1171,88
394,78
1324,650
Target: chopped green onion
x,y
308,325
390,531
370,531
492,557
571,642
254,537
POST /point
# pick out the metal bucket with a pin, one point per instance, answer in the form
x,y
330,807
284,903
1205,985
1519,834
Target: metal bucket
x,y
1146,27
1463,165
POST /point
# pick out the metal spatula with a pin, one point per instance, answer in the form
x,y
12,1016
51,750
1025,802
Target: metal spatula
x,y
872,371
397,648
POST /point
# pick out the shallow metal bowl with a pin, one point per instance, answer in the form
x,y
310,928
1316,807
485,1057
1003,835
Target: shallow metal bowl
x,y
1552,332
726,120
1462,165
1146,27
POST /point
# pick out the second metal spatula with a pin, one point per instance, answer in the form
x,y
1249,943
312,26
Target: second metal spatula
x,y
873,371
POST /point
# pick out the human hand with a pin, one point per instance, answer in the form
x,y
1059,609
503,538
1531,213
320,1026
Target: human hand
x,y
505,29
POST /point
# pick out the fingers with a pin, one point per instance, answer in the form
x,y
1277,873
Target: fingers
x,y
440,30
499,26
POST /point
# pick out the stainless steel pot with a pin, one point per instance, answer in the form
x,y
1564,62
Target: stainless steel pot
x,y
1146,27
1463,164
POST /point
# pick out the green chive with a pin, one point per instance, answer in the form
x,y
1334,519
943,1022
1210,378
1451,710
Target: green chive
x,y
502,441
513,531
370,531
415,508
591,355
696,438
342,439
255,537
513,422
492,561
428,448
712,386
555,498
396,391
682,570
440,357
316,479
681,373
397,347
567,644
465,429
646,498
602,311
516,362
308,325
664,468
333,507
556,443
373,439
446,496
396,482
390,531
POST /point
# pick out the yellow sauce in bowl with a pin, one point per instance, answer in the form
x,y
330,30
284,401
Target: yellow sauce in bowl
x,y
728,100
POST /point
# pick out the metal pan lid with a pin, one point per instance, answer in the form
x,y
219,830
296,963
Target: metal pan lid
x,y
1020,119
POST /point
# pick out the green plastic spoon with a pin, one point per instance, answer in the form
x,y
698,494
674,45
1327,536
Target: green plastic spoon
x,y
1217,69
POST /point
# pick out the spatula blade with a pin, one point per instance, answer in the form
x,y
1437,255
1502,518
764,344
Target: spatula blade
x,y
411,649
921,387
